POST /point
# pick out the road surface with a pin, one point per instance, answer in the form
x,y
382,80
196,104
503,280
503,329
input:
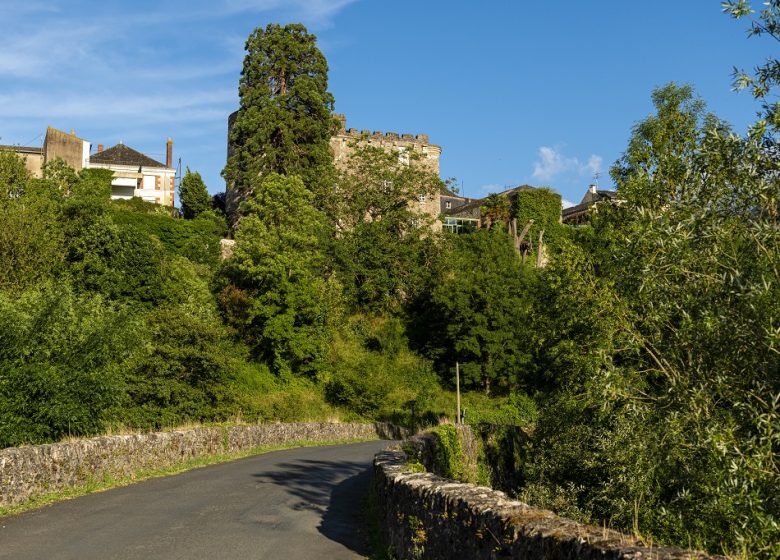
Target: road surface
x,y
296,504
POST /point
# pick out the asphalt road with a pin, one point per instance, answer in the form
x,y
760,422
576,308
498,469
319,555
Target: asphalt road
x,y
295,504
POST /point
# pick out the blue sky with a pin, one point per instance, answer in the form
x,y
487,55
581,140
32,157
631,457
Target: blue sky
x,y
515,92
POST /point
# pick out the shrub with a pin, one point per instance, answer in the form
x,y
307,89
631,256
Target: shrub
x,y
61,362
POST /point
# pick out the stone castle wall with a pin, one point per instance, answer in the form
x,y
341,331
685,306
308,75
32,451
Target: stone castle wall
x,y
342,144
424,516
30,471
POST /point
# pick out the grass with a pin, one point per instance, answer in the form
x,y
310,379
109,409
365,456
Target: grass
x,y
371,522
108,482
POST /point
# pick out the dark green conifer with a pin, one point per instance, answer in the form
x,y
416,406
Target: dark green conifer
x,y
285,120
194,195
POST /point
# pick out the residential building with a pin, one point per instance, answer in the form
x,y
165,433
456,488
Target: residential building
x,y
136,174
56,144
580,213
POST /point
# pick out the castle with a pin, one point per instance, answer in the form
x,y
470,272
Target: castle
x,y
346,140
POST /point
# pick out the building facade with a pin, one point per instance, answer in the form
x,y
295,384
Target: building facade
x,y
580,213
135,174
138,175
344,142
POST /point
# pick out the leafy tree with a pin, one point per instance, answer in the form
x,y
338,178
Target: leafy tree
x,y
194,195
765,77
496,210
60,175
543,206
655,169
284,122
385,249
31,238
61,363
478,312
13,175
277,271
659,350
183,376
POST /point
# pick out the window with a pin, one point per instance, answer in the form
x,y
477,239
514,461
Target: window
x,y
421,198
448,205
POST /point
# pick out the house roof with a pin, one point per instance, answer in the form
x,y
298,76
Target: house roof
x,y
22,149
588,200
471,209
591,197
124,155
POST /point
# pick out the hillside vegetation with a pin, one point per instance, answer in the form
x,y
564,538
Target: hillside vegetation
x,y
644,359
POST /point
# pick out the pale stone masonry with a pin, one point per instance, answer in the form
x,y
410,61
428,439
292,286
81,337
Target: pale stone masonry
x,y
425,516
343,143
35,470
346,139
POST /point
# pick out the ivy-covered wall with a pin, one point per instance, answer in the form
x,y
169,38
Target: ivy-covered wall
x,y
543,206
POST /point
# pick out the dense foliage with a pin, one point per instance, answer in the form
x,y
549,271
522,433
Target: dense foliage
x,y
284,121
193,194
657,360
644,358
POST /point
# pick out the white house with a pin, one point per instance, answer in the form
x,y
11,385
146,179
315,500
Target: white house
x,y
136,174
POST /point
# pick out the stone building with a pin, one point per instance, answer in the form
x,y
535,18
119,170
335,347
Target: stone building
x,y
580,213
56,144
343,142
32,156
135,174
138,175
346,139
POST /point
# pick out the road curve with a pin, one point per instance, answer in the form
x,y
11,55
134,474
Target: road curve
x,y
296,504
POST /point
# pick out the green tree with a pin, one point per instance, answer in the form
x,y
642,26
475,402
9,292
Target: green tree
x,y
61,363
31,237
13,175
284,123
479,310
277,272
496,210
194,195
659,350
765,77
655,168
385,249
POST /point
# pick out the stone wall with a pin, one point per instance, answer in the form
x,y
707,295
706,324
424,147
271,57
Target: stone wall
x,y
30,471
426,516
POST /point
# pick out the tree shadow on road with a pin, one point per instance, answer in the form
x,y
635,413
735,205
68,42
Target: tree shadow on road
x,y
333,489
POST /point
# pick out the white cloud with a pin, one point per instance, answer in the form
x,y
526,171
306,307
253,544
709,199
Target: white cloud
x,y
141,106
594,164
553,163
311,8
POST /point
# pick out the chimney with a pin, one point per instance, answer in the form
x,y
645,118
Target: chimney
x,y
169,153
100,148
592,189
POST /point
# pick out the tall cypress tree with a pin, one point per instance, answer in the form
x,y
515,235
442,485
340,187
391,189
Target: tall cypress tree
x,y
194,195
285,120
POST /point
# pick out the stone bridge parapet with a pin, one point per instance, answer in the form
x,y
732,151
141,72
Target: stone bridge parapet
x,y
31,471
424,516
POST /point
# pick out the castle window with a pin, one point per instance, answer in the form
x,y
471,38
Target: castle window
x,y
448,205
421,198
